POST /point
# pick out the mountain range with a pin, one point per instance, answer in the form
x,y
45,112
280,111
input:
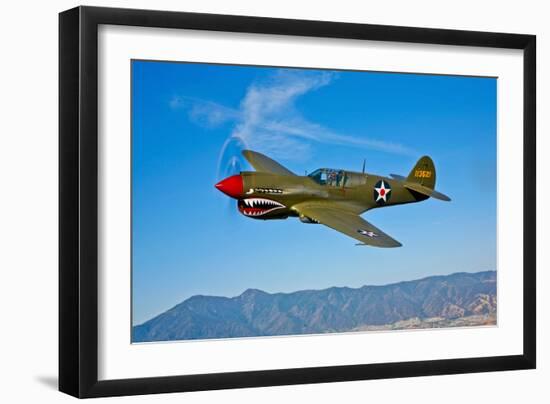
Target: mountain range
x,y
443,299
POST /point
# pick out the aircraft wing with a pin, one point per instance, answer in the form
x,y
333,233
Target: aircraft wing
x,y
264,164
339,218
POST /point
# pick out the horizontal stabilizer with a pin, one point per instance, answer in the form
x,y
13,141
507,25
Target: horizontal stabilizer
x,y
413,186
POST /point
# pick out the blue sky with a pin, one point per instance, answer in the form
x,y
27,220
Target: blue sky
x,y
189,239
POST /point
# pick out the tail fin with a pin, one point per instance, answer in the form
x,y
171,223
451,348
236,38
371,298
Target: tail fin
x,y
423,173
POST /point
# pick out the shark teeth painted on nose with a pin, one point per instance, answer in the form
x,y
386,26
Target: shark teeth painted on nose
x,y
258,206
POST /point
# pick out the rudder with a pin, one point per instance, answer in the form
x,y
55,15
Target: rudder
x,y
423,173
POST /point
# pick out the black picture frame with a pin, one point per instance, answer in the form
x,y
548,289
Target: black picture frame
x,y
78,201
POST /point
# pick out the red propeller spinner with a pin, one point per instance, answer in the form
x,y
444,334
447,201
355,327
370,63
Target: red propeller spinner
x,y
231,186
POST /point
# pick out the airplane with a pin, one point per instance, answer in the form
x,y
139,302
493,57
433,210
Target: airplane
x,y
334,198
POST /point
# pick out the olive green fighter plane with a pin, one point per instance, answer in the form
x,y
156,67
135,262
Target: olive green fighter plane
x,y
335,198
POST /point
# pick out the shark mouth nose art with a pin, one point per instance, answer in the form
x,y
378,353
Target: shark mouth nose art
x,y
258,206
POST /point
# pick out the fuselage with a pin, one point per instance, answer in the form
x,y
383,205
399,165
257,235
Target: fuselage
x,y
266,196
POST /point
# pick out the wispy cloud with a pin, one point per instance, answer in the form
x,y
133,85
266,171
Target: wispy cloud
x,y
205,113
268,121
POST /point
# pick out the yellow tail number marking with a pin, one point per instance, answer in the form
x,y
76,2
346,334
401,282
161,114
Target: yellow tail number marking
x,y
422,174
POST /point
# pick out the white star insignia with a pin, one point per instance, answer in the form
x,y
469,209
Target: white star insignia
x,y
382,192
368,233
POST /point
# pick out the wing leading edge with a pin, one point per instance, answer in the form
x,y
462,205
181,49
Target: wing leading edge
x,y
264,164
347,222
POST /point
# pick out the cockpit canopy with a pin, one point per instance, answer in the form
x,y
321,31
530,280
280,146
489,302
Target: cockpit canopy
x,y
337,178
328,176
